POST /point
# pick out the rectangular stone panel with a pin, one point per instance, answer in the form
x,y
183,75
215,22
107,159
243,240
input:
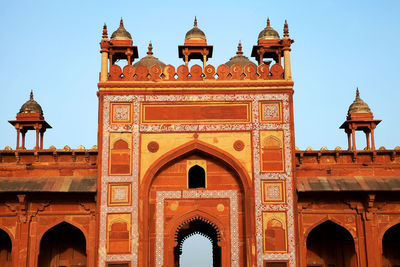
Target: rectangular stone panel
x,y
210,112
271,149
119,233
120,154
275,264
274,232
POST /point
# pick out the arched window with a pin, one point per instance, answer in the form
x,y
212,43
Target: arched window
x,y
62,245
391,246
329,244
196,177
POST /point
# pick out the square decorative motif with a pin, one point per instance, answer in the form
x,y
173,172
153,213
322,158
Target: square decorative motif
x,y
273,192
121,113
119,194
271,112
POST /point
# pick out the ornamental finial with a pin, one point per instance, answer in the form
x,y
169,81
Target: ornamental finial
x,y
105,34
239,51
150,49
286,29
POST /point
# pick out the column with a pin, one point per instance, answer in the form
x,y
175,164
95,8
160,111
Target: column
x,y
41,139
37,136
23,132
18,131
367,136
104,66
372,139
286,58
353,133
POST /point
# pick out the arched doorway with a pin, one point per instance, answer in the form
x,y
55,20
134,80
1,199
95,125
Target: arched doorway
x,y
64,245
330,245
167,197
391,247
5,249
198,225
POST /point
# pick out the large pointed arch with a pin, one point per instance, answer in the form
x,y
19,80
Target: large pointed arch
x,y
62,244
59,221
323,220
330,243
190,147
195,146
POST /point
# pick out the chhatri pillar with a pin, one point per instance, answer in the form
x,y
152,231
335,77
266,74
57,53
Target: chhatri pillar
x,y
271,46
30,117
360,118
195,46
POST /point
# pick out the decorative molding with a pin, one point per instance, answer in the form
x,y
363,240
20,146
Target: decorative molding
x,y
232,195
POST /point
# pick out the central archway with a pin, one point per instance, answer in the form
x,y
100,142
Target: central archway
x,y
166,179
202,226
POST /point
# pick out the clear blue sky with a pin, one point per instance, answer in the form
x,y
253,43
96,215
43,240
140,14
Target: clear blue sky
x,y
52,47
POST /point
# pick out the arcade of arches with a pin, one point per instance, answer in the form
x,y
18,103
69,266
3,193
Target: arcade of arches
x,y
198,149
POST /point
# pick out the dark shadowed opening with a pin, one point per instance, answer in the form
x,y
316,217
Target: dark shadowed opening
x,y
5,249
197,177
391,247
329,244
62,245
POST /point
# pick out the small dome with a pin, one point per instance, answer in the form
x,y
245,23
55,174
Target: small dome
x,y
195,33
358,105
268,33
121,33
150,60
31,106
239,59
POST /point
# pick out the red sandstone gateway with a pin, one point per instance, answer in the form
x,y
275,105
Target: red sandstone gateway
x,y
202,150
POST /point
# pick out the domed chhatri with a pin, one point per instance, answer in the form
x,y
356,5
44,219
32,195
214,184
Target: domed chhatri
x,y
150,60
195,34
30,117
360,118
31,106
268,33
239,59
121,33
358,105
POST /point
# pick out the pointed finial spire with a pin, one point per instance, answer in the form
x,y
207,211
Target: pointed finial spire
x,y
121,23
286,29
31,95
357,93
150,51
268,22
239,51
105,34
195,21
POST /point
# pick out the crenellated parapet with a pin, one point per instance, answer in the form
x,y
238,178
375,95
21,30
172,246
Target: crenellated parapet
x,y
195,73
324,157
9,157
